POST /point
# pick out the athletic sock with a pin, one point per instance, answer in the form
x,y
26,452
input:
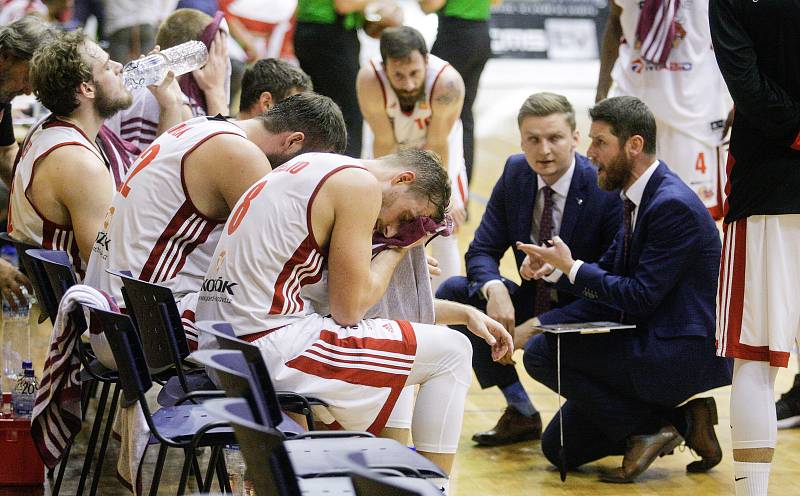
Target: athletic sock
x,y
751,479
517,397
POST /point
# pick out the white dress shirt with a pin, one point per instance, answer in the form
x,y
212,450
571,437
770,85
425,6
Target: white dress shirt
x,y
634,193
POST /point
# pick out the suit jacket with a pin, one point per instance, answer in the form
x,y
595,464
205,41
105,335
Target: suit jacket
x,y
669,293
589,223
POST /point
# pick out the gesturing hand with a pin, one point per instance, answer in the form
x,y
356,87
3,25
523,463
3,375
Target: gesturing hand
x,y
558,255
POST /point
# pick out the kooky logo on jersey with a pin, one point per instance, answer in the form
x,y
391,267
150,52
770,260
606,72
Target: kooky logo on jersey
x,y
218,290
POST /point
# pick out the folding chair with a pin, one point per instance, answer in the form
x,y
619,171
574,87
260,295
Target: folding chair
x,y
155,314
55,265
183,426
309,455
264,447
48,307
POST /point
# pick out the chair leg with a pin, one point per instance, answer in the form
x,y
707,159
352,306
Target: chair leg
x,y
112,412
98,419
86,394
212,466
162,455
198,475
62,468
222,476
187,463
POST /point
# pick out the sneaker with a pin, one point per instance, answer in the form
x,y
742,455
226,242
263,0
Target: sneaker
x,y
788,407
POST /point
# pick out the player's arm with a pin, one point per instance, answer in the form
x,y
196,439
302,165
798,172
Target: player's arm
x,y
81,184
371,102
7,155
171,110
356,282
447,98
343,7
214,189
452,313
431,6
755,95
211,77
609,51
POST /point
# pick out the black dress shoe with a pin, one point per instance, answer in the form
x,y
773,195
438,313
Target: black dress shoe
x,y
641,452
512,427
701,417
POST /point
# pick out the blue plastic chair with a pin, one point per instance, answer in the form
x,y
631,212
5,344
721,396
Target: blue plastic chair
x,y
56,267
311,451
155,314
274,469
183,426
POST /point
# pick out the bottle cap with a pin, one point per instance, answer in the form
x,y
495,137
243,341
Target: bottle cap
x,y
27,364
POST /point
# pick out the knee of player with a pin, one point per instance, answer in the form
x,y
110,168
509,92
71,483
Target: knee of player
x,y
461,347
451,288
534,358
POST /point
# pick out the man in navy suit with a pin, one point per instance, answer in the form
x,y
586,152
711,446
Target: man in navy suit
x,y
549,189
623,388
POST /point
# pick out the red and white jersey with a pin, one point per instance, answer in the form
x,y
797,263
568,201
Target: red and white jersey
x,y
25,222
688,92
411,128
152,227
268,270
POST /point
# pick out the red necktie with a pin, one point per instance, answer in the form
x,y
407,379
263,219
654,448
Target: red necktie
x,y
543,303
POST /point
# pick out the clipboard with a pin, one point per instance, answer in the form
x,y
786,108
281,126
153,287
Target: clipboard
x,y
574,328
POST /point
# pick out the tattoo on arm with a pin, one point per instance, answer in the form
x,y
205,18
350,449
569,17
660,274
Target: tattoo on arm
x,y
448,94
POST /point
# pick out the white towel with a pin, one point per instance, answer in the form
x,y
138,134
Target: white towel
x,y
56,418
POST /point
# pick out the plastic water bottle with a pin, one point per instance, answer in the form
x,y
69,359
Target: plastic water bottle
x,y
152,69
234,462
24,394
16,339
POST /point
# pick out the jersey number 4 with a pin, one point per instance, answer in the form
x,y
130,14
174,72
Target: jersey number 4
x,y
700,163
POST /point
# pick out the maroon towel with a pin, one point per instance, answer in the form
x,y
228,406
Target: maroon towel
x,y
656,30
119,154
410,232
188,84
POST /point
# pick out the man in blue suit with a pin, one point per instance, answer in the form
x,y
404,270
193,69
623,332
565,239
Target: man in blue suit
x,y
549,189
623,389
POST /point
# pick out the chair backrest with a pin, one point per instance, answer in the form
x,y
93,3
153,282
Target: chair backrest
x,y
34,269
265,393
126,347
258,444
234,376
59,273
159,323
367,483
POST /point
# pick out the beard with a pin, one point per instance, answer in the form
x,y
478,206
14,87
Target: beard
x,y
408,99
107,106
280,158
615,174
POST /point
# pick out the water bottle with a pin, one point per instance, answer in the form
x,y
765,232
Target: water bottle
x,y
234,463
24,394
16,339
152,69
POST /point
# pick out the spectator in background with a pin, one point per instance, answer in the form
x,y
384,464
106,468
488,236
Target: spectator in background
x,y
130,27
463,40
268,82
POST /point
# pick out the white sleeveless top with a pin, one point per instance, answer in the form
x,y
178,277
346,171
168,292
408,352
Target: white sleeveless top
x,y
152,227
689,93
411,128
268,270
25,222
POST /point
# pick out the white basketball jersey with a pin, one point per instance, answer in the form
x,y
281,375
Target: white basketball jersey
x,y
25,222
267,271
152,227
411,128
688,92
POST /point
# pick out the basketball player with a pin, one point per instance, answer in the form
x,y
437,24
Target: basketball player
x,y
166,219
267,280
758,318
412,99
61,206
268,82
679,81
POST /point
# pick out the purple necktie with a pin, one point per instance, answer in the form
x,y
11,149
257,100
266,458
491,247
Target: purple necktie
x,y
542,303
627,221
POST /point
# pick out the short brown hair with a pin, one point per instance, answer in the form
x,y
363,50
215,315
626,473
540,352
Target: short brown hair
x,y
316,116
21,38
544,104
431,181
57,69
181,26
628,116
